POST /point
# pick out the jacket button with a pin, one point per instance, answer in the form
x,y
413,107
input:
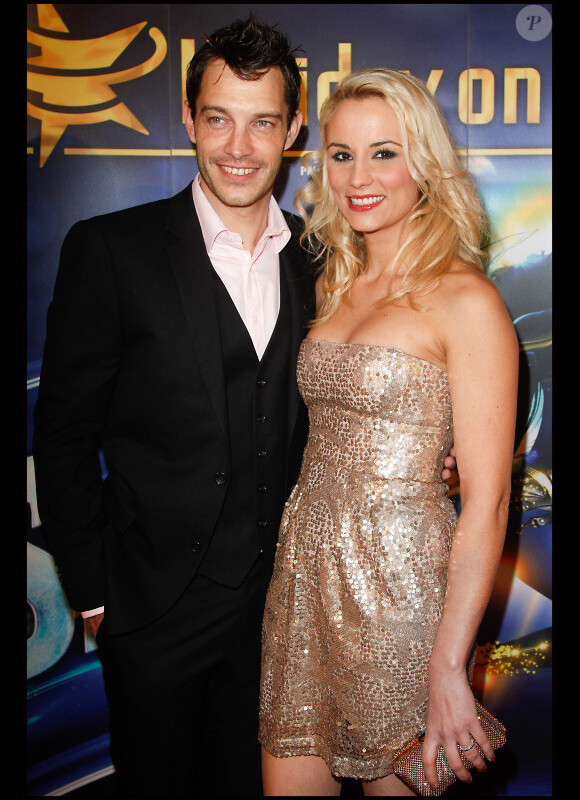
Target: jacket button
x,y
262,523
261,382
196,546
262,418
220,478
262,453
262,488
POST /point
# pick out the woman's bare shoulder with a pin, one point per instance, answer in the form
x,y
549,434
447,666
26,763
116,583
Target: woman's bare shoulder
x,y
465,289
472,312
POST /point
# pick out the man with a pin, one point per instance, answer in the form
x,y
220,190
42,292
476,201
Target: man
x,y
171,347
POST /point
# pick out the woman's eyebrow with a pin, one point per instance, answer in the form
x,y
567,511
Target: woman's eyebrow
x,y
374,144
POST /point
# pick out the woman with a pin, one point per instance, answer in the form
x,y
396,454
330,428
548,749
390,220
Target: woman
x,y
378,589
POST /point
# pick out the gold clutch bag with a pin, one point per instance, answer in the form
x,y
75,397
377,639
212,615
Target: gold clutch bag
x,y
409,764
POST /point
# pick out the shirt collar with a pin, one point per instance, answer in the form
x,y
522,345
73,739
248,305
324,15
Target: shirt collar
x,y
212,226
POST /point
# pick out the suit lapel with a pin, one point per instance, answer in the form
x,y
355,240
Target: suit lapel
x,y
193,274
301,299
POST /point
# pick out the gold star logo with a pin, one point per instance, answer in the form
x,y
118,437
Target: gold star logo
x,y
68,75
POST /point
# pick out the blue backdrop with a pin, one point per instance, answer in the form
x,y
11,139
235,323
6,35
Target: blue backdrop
x,y
105,131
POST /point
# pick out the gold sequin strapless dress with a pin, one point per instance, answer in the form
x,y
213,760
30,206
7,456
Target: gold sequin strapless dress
x,y
360,574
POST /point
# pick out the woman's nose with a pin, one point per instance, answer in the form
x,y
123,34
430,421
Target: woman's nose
x,y
360,174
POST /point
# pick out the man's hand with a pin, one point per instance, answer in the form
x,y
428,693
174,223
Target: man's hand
x,y
94,623
449,473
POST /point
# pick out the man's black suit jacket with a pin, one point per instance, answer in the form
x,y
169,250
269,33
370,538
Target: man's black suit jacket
x,y
132,368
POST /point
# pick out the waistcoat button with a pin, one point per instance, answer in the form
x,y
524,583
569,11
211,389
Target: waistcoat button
x,y
196,546
262,418
220,478
262,453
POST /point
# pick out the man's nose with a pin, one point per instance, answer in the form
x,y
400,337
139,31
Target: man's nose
x,y
239,144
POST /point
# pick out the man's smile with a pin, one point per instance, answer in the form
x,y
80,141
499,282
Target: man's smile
x,y
239,170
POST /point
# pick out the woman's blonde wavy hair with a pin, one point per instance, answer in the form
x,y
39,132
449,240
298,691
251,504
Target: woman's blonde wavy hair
x,y
446,223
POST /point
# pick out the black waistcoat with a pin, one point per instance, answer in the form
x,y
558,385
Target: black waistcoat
x,y
257,395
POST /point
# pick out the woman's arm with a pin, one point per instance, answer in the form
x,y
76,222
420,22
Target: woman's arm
x,y
482,362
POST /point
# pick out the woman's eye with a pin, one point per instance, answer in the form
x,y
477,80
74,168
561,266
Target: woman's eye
x,y
385,154
340,157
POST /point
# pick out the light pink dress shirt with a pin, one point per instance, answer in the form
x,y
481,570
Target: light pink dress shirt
x,y
252,279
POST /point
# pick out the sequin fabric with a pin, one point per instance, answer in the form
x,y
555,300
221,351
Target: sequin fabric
x,y
360,572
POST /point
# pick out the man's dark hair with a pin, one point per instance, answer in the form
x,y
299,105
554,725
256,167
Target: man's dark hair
x,y
250,49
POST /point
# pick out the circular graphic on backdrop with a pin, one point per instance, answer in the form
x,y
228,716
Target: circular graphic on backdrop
x,y
534,23
49,622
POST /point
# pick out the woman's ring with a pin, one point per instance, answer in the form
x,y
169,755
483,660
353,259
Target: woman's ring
x,y
465,749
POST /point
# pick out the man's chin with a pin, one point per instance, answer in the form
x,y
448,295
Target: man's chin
x,y
242,199
236,194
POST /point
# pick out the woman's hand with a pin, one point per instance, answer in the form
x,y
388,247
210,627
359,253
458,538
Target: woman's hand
x,y
452,721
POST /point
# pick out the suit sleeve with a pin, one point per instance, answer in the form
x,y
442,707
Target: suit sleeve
x,y
81,358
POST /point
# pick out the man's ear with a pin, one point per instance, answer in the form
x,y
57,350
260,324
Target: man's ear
x,y
189,124
293,130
